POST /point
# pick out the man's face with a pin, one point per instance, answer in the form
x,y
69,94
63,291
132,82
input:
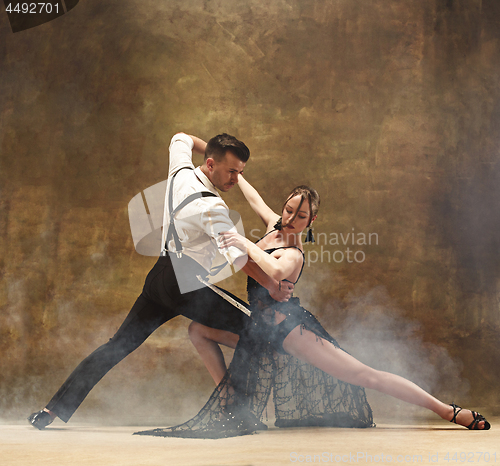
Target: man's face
x,y
224,174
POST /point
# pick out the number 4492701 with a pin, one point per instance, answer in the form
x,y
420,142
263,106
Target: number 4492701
x,y
471,457
33,8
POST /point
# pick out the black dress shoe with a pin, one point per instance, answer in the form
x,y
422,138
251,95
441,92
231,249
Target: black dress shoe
x,y
41,419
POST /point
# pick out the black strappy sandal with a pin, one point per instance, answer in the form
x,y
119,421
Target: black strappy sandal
x,y
477,419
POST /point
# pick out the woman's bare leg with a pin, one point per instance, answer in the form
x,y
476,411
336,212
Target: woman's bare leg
x,y
308,347
206,340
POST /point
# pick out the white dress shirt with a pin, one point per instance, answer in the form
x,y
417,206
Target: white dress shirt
x,y
200,222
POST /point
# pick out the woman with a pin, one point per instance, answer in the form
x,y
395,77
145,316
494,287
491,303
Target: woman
x,y
278,330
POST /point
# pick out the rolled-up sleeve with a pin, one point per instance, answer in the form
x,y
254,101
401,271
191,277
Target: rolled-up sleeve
x,y
181,153
215,221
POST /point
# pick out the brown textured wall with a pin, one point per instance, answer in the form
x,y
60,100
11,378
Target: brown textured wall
x,y
390,109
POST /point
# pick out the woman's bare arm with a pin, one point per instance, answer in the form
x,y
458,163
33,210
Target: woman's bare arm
x,y
257,203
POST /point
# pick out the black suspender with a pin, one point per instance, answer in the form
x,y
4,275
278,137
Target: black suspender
x,y
172,232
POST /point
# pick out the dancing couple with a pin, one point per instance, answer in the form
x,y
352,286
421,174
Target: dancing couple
x,y
281,348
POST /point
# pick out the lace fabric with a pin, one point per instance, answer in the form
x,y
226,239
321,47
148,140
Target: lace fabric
x,y
302,394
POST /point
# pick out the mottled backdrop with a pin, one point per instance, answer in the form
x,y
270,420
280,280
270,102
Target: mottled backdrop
x,y
391,109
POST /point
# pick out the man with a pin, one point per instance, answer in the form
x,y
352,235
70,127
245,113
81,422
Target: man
x,y
190,234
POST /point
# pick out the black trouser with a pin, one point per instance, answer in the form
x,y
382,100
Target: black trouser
x,y
159,302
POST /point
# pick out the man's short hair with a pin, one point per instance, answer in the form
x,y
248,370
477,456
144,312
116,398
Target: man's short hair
x,y
220,144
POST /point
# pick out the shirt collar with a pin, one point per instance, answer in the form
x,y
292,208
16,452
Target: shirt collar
x,y
206,182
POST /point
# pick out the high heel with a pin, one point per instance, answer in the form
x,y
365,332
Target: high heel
x,y
477,419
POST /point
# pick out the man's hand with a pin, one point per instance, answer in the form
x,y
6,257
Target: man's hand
x,y
281,291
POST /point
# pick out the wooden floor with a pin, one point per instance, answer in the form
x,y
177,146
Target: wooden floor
x,y
422,443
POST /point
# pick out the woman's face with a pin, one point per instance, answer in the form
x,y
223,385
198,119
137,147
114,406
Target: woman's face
x,y
301,220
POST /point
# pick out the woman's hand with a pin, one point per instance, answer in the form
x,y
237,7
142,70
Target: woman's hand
x,y
230,238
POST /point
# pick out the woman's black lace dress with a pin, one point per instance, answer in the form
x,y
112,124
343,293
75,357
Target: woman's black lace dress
x,y
302,394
